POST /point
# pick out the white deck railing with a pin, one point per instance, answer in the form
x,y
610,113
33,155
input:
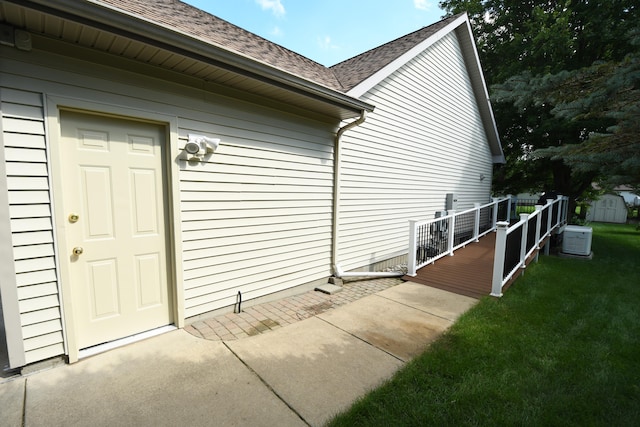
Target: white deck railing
x,y
433,239
430,240
516,243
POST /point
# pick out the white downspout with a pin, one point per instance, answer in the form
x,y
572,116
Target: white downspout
x,y
339,273
337,161
336,206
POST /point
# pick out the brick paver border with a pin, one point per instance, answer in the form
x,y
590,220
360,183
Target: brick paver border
x,y
262,318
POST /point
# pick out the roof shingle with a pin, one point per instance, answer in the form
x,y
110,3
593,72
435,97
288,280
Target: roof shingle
x,y
355,70
193,22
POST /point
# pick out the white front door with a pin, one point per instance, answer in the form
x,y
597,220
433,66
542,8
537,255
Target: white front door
x,y
115,238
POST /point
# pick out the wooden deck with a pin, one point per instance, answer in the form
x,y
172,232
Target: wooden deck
x,y
468,272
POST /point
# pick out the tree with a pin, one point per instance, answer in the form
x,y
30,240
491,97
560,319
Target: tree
x,y
531,48
609,92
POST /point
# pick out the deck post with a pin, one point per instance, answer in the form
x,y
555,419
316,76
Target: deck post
x,y
494,219
538,228
476,226
523,243
559,215
508,218
413,248
451,231
498,259
550,216
549,206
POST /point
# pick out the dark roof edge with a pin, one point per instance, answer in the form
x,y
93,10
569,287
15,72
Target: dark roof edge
x,y
102,16
365,85
472,59
397,39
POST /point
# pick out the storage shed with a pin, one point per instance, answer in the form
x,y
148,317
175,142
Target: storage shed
x,y
608,208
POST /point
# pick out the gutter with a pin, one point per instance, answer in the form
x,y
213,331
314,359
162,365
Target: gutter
x,y
108,18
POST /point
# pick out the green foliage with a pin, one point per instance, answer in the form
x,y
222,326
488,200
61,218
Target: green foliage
x,y
560,348
538,57
603,101
544,37
609,92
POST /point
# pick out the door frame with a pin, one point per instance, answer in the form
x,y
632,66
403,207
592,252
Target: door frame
x,y
171,166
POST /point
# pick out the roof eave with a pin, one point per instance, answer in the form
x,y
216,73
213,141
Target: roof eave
x,y
115,20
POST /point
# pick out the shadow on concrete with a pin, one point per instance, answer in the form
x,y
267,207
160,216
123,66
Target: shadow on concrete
x,y
318,369
173,379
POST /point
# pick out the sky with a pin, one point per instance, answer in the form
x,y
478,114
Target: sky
x,y
326,31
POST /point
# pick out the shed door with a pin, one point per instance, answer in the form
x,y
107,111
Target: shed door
x,y
610,211
112,176
605,210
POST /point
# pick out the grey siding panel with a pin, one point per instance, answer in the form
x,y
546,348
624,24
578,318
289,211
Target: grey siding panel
x,y
32,238
39,316
31,223
45,352
257,215
424,139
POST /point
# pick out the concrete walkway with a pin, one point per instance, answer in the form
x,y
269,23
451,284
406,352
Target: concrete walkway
x,y
295,375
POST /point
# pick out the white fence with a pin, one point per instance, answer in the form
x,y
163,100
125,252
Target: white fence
x,y
516,243
432,239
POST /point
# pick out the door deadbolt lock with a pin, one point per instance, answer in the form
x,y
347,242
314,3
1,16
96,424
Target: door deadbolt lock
x,y
73,218
78,250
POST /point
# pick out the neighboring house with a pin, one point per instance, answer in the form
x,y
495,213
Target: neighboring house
x,y
608,208
109,227
529,197
630,198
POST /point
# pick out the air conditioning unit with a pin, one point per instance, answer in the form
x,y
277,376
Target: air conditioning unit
x,y
577,240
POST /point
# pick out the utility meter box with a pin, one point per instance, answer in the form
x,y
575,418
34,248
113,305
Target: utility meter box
x,y
577,240
451,202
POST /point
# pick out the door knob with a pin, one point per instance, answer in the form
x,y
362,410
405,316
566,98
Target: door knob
x,y
73,218
78,250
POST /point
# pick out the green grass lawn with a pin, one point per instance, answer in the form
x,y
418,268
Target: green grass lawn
x,y
560,348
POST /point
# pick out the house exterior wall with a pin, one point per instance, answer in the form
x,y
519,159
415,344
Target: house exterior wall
x,y
255,217
31,222
425,139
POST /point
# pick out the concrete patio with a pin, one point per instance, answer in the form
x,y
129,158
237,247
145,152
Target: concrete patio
x,y
294,375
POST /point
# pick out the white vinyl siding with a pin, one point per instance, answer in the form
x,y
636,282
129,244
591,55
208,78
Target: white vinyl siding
x,y
424,139
255,216
31,223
